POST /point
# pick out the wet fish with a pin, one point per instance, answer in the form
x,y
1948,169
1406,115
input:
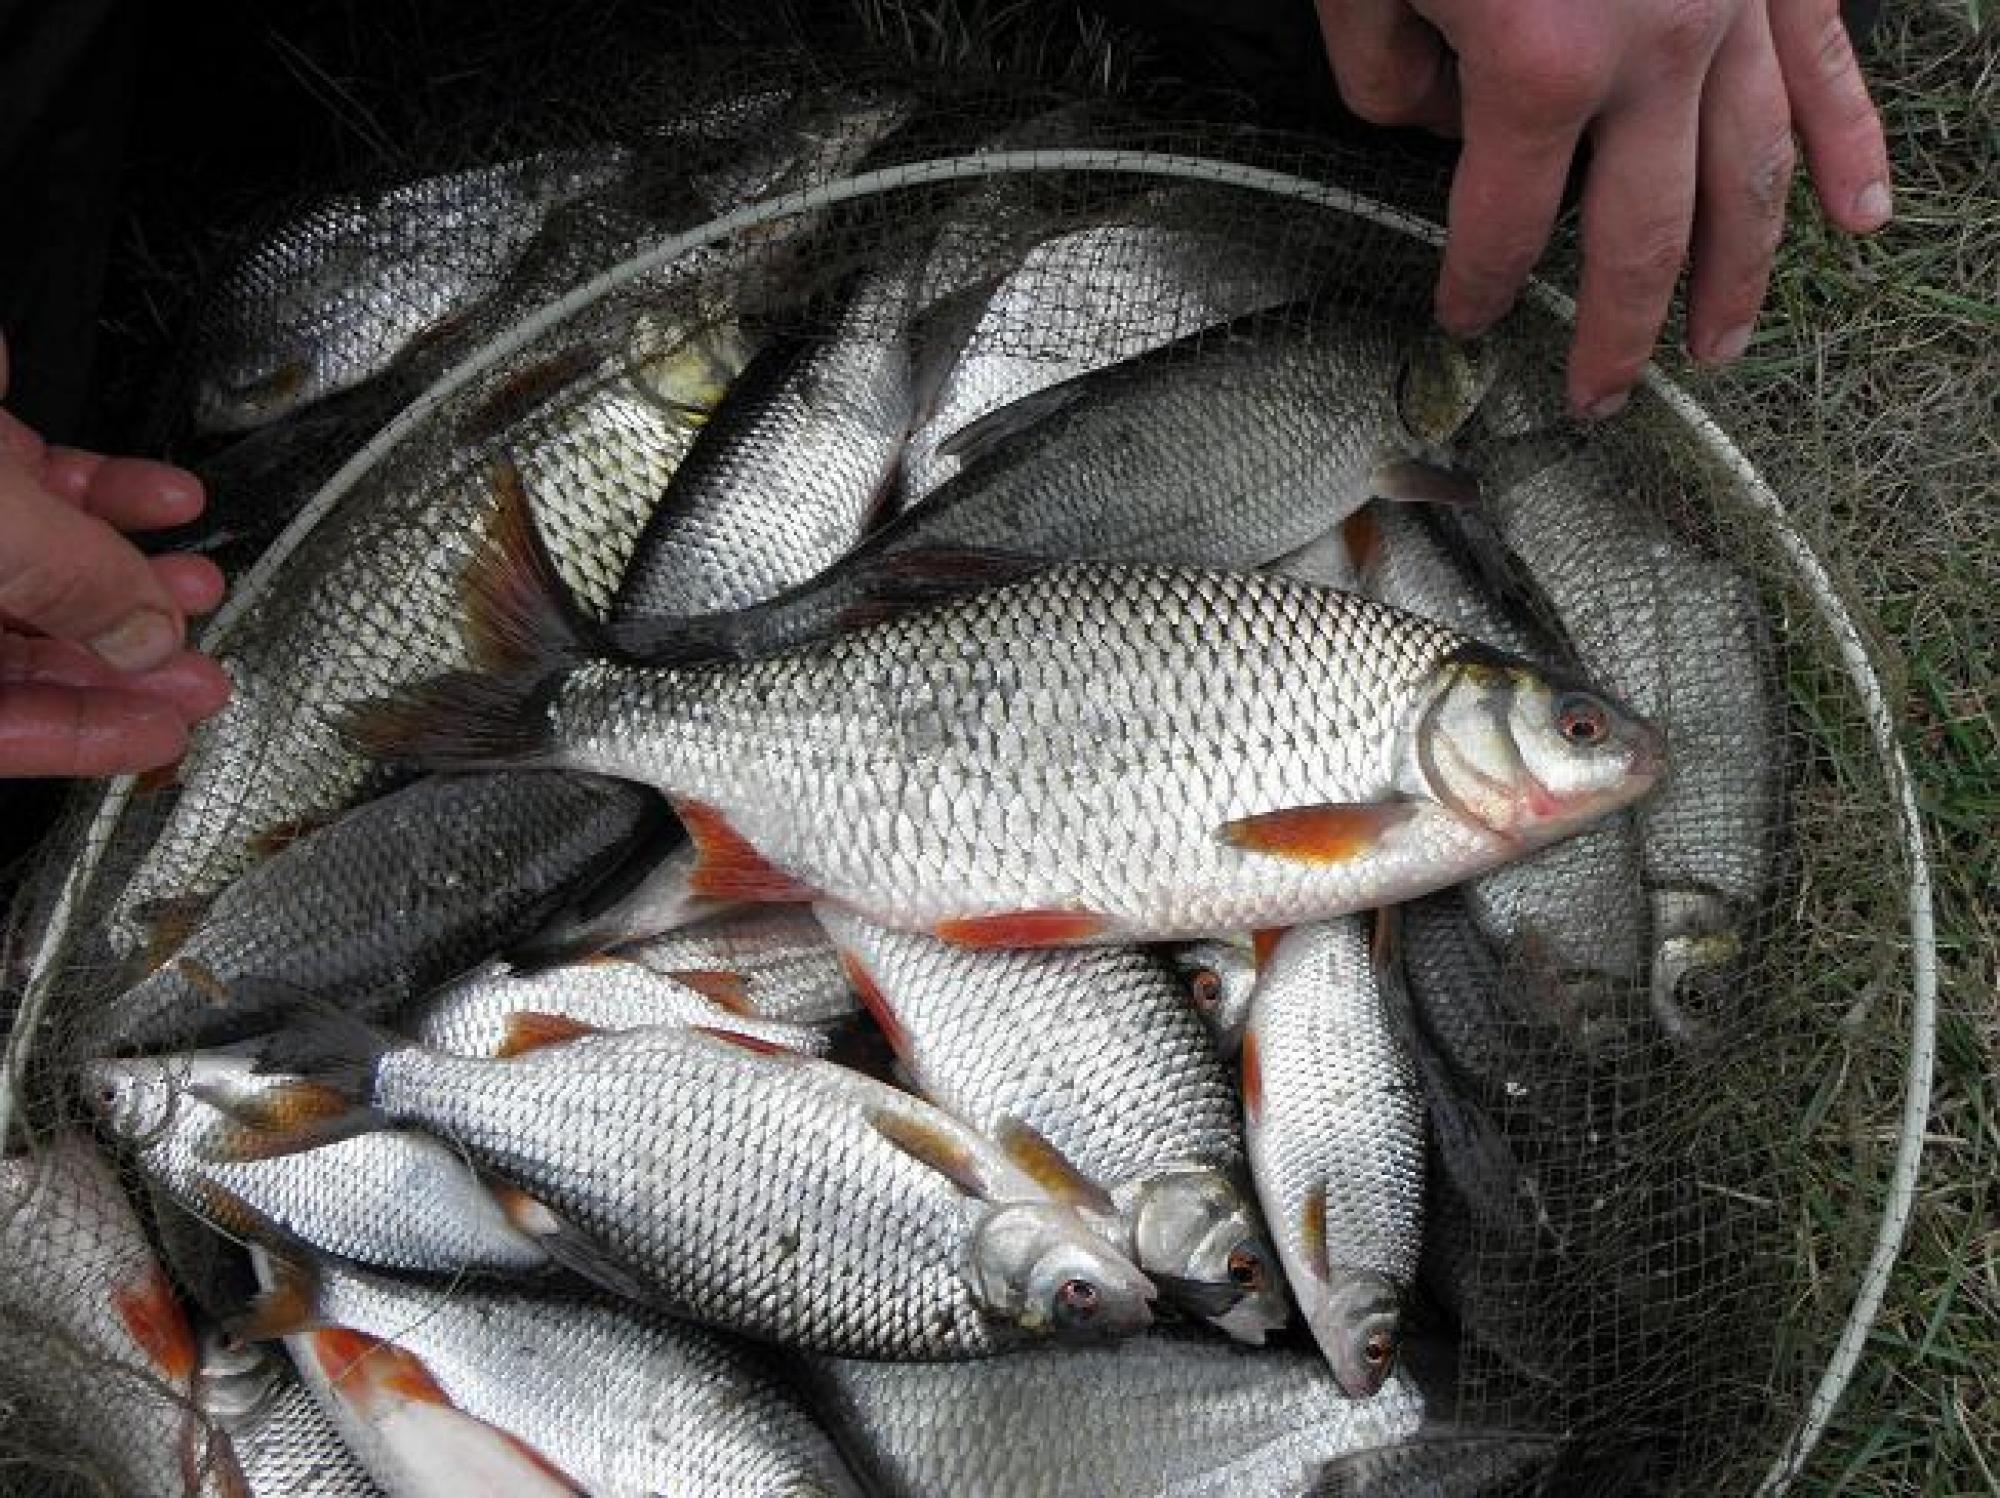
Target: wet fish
x,y
1097,1052
1220,977
785,479
339,293
659,899
1576,911
782,965
95,1351
496,1012
285,1444
386,902
624,1401
1236,752
369,601
1227,449
1335,1124
1171,1413
1084,301
393,1198
754,1189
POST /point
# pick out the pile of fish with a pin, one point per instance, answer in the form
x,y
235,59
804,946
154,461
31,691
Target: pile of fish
x,y
939,894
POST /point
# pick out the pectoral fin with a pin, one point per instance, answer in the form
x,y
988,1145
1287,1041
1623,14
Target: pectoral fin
x,y
1317,834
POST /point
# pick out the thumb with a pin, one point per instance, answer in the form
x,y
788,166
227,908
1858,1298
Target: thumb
x,y
68,574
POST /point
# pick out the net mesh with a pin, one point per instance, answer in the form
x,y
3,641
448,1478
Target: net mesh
x,y
1667,1290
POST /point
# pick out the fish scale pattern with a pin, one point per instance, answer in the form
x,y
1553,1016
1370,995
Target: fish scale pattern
x,y
789,969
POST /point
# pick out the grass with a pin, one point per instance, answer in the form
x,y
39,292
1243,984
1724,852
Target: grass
x,y
1870,396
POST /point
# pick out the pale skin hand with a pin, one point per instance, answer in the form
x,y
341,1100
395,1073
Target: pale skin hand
x,y
1690,107
95,675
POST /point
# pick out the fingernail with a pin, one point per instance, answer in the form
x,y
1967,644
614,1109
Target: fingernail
x,y
139,642
1729,347
1607,405
1873,205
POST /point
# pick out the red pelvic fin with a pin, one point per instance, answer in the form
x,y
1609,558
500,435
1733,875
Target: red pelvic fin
x,y
1024,928
1317,834
153,1315
877,1004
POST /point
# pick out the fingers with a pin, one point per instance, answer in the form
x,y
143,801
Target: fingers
x,y
69,574
1836,121
1638,208
1745,171
194,583
193,686
1391,65
70,731
134,494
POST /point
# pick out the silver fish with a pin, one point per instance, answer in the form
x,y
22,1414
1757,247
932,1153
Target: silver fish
x,y
1096,1052
495,1012
1170,1413
1086,300
390,900
285,1444
625,1401
95,1351
369,601
1335,1124
660,899
1236,751
339,293
1227,449
353,1197
761,1191
1576,911
785,479
773,959
1220,977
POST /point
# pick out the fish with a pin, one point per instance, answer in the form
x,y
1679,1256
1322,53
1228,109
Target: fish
x,y
1096,1052
340,292
369,600
1171,1413
786,477
1089,753
1227,449
658,898
284,1443
1446,1462
95,1350
1335,1123
719,1177
1683,636
1576,911
352,1198
622,1401
495,1012
773,959
385,902
1220,976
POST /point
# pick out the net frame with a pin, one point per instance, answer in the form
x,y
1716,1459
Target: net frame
x,y
1749,491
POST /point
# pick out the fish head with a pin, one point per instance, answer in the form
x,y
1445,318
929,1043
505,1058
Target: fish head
x,y
1440,381
1199,1236
134,1099
253,397
687,369
1357,1322
1527,753
1040,1266
1219,977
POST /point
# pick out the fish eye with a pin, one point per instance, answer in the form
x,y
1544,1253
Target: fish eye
x,y
1076,1302
1378,1349
1205,988
1246,1268
1582,720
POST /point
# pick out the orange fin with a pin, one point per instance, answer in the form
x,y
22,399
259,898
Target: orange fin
x,y
169,924
1427,483
727,867
1057,1173
1361,533
1024,928
290,1117
152,1314
877,1004
1264,943
203,980
724,989
289,1304
1253,1078
1317,834
1312,1231
755,1044
275,839
934,1148
529,1030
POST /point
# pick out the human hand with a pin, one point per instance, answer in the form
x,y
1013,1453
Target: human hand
x,y
1689,106
95,678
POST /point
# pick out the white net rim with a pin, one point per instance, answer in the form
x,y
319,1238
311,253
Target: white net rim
x,y
1751,491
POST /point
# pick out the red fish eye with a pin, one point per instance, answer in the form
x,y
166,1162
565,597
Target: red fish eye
x,y
1078,1298
1246,1269
1205,988
1378,1349
1581,721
